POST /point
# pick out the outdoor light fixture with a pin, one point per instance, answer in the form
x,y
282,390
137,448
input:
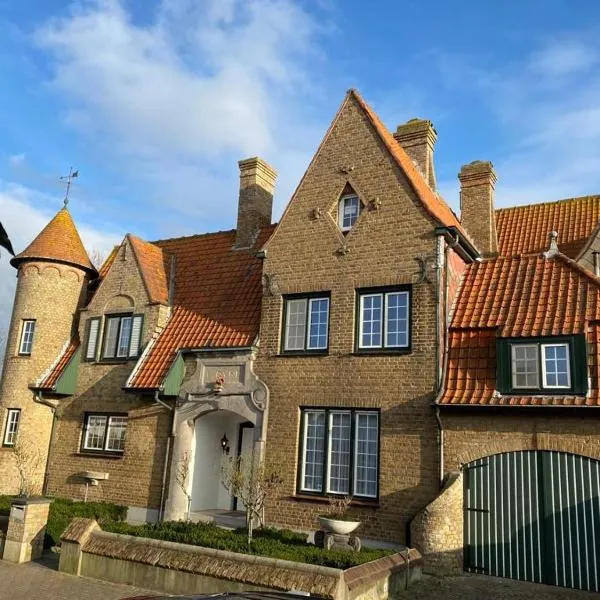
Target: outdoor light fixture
x,y
225,444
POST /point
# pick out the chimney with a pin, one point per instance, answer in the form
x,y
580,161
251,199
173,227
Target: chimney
x,y
418,138
477,183
257,182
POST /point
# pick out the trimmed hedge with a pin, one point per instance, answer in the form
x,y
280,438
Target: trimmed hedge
x,y
275,543
62,512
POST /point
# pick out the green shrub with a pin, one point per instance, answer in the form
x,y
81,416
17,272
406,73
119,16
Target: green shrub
x,y
275,543
62,512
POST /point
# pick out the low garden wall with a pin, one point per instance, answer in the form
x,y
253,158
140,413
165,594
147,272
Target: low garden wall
x,y
177,568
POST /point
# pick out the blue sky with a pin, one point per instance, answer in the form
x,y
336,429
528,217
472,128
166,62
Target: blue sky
x,y
155,101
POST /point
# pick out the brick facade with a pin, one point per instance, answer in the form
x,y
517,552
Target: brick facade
x,y
308,254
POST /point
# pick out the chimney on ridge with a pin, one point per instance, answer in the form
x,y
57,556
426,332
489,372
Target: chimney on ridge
x,y
477,184
257,183
418,138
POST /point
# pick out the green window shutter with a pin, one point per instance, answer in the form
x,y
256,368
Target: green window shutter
x,y
503,366
92,338
579,364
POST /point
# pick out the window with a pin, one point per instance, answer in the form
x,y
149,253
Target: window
x,y
12,426
306,324
122,335
544,365
348,211
27,331
340,452
104,433
383,320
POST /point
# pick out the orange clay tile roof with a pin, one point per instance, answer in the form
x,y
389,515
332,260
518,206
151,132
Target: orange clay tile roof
x,y
517,297
49,379
108,262
433,204
58,241
525,229
153,262
216,303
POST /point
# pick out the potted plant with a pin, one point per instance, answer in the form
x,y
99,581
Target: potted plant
x,y
336,519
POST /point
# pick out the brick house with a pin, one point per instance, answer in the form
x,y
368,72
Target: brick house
x,y
370,344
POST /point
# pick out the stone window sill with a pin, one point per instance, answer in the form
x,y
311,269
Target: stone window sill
x,y
324,500
89,454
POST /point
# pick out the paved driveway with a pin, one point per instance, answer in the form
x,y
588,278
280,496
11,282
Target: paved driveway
x,y
481,587
41,581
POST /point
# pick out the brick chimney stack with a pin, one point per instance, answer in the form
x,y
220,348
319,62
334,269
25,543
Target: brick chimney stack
x,y
257,183
418,138
477,184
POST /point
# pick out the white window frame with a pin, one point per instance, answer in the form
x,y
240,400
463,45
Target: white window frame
x,y
27,337
13,419
352,470
383,329
341,206
543,360
513,372
136,323
308,302
106,435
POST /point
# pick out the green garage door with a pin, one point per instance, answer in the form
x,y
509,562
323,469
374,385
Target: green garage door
x,y
534,516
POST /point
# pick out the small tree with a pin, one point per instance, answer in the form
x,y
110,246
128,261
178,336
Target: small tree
x,y
28,458
182,478
249,480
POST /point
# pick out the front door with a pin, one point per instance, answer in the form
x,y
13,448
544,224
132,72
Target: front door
x,y
245,449
535,516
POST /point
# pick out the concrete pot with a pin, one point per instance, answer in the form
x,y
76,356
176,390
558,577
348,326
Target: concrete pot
x,y
337,526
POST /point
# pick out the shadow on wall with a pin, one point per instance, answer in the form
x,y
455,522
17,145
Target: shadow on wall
x,y
135,476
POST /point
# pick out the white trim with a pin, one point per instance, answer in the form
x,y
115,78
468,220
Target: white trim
x,y
385,319
513,347
357,413
288,302
543,359
13,418
361,320
305,414
341,205
309,323
327,482
25,332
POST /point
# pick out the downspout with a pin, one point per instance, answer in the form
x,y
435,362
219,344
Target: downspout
x,y
39,398
161,508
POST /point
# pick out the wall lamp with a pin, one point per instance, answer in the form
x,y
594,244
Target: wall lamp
x,y
225,444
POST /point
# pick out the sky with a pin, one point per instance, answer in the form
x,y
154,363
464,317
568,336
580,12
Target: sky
x,y
155,101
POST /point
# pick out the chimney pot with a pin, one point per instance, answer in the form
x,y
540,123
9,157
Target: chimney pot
x,y
477,185
418,138
255,207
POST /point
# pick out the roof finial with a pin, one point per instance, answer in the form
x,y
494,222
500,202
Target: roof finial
x,y
68,179
553,249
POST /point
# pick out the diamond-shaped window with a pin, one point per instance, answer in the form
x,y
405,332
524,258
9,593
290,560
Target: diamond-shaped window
x,y
347,209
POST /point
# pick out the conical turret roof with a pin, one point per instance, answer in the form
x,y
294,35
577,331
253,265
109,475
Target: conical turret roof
x,y
58,241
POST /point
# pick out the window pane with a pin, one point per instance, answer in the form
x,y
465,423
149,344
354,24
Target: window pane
x,y
370,325
116,433
94,433
525,372
90,352
27,337
319,319
349,212
339,452
396,319
12,425
556,366
124,337
110,343
314,451
365,460
295,329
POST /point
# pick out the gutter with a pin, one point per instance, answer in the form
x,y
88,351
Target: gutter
x,y
463,246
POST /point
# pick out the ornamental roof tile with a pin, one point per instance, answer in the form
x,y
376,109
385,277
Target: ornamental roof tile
x,y
58,241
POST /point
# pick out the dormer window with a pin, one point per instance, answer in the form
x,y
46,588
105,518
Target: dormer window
x,y
348,211
122,335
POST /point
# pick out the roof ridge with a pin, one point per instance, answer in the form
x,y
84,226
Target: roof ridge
x,y
547,202
195,235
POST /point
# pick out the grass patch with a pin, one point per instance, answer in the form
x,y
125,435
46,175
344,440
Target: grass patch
x,y
274,543
62,512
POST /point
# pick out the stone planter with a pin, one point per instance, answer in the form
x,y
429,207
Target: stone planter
x,y
338,526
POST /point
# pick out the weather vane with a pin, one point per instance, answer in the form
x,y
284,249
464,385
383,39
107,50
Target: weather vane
x,y
68,179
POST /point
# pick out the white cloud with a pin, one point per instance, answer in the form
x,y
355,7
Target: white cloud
x,y
201,85
16,160
563,58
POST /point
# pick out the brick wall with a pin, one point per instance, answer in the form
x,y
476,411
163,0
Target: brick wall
x,y
304,255
135,477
